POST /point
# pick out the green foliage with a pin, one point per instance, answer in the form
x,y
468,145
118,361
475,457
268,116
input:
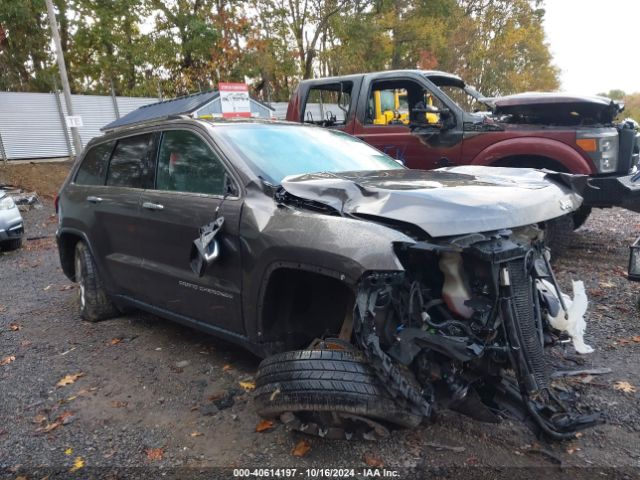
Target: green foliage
x,y
25,61
173,47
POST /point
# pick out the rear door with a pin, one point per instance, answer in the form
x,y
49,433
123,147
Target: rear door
x,y
189,187
118,210
113,199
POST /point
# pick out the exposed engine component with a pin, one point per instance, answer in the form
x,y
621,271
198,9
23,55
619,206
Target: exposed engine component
x,y
464,329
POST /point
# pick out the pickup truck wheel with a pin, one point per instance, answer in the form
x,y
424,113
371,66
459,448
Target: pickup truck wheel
x,y
329,383
557,235
580,216
94,302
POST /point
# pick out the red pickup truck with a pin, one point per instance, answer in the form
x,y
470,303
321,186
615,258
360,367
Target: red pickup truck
x,y
431,119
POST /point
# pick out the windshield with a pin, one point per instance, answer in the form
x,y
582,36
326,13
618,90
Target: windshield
x,y
277,151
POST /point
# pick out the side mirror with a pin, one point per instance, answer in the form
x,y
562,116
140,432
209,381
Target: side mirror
x,y
205,249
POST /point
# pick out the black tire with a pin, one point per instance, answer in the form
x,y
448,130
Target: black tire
x,y
557,235
94,301
580,216
14,244
325,381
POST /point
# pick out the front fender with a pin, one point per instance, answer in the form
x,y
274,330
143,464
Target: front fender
x,y
538,146
343,248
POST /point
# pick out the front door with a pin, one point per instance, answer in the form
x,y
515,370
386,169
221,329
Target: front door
x,y
189,188
384,123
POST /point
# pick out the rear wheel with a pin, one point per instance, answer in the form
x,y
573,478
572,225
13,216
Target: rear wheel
x,y
325,386
94,302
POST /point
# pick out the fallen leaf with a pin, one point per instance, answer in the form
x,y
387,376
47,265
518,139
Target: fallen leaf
x,y
625,387
14,327
26,343
371,460
472,461
264,425
49,427
196,434
636,339
607,285
39,419
7,360
67,287
78,463
155,453
119,404
227,368
115,341
68,451
48,286
69,379
247,385
301,449
623,341
572,450
65,417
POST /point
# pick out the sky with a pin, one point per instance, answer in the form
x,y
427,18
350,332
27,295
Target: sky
x,y
595,44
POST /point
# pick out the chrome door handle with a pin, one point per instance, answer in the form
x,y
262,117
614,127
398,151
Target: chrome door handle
x,y
152,206
93,199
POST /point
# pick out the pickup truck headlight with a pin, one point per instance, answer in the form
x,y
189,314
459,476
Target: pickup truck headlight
x,y
602,147
7,203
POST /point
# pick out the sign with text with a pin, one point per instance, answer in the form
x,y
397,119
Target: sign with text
x,y
74,121
234,98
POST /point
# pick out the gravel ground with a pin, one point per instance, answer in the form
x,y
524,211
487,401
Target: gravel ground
x,y
152,397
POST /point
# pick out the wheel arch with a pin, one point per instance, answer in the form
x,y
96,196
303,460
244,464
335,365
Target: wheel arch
x,y
67,240
551,151
299,302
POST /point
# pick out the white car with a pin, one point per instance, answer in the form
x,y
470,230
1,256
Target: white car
x,y
11,223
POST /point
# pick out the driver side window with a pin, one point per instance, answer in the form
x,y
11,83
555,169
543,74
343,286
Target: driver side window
x,y
401,102
187,164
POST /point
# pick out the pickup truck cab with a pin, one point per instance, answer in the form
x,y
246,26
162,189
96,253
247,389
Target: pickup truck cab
x,y
432,119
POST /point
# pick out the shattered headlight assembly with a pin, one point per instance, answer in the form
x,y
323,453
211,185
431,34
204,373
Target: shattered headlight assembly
x,y
7,203
602,148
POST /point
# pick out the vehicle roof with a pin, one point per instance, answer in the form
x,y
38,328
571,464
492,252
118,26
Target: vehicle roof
x,y
389,73
132,129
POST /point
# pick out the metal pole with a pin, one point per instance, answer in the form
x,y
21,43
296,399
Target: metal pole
x,y
114,100
63,124
63,73
3,154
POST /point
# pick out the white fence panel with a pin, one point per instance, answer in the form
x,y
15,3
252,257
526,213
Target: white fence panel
x,y
31,125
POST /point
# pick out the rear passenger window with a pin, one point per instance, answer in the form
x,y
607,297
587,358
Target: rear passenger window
x,y
187,164
128,167
93,170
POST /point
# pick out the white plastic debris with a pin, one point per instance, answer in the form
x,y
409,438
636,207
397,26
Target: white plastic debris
x,y
574,324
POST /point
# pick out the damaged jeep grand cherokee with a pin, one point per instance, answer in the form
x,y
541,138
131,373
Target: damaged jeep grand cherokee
x,y
376,294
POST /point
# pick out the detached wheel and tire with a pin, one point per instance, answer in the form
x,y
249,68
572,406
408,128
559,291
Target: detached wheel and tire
x,y
326,383
94,302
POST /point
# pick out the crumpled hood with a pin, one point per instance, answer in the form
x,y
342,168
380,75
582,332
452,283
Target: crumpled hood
x,y
444,202
548,107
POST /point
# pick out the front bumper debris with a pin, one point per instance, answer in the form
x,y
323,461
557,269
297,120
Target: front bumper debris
x,y
614,191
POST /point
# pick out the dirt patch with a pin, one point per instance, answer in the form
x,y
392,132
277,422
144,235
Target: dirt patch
x,y
45,178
